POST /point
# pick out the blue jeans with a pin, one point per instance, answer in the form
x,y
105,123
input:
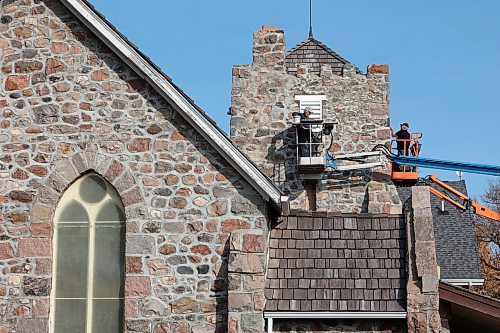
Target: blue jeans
x,y
304,150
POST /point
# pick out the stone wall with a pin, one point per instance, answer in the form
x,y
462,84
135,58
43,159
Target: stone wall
x,y
423,279
69,106
263,99
246,281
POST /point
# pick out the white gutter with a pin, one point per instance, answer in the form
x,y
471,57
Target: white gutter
x,y
342,314
464,282
210,132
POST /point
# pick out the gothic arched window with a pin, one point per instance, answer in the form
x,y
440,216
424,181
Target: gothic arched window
x,y
89,253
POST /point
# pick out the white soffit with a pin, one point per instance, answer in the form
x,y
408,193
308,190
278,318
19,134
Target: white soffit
x,y
464,282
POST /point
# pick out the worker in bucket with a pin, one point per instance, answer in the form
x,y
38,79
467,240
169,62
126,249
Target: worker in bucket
x,y
304,131
402,139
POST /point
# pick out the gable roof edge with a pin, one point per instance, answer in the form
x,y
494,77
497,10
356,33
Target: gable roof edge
x,y
180,101
332,52
469,299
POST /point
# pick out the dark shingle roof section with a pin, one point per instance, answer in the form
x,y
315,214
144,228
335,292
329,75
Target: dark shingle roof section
x,y
337,262
454,234
314,53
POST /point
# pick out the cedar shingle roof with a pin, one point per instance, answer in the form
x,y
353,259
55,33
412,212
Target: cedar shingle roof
x,y
314,53
454,234
337,262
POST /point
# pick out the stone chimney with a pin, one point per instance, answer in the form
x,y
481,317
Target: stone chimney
x,y
269,47
423,278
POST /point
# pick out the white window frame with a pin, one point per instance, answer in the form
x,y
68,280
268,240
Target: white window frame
x,y
92,210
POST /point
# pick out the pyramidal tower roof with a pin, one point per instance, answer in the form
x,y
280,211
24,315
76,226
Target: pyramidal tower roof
x,y
314,53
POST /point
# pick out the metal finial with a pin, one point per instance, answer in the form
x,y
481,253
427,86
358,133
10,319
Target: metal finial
x,y
310,20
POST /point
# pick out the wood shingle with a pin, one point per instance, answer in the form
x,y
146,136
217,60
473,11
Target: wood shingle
x,y
337,263
315,54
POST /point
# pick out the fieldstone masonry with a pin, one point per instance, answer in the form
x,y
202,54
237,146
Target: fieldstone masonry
x,y
197,234
423,279
263,99
69,106
246,270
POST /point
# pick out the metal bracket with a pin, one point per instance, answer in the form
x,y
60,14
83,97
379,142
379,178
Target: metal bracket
x,y
360,159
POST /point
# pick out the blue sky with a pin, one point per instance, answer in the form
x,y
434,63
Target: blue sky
x,y
443,57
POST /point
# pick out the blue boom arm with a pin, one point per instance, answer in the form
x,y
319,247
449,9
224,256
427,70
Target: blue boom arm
x,y
432,163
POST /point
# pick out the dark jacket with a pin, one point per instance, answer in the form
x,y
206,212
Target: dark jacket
x,y
403,135
303,130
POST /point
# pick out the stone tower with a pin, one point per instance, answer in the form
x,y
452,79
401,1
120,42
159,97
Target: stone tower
x,y
267,92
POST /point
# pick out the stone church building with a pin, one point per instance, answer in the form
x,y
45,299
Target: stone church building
x,y
124,208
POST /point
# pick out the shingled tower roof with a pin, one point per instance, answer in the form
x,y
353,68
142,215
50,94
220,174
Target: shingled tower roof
x,y
314,53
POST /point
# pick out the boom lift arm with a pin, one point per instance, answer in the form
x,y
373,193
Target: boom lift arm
x,y
468,202
492,170
479,209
